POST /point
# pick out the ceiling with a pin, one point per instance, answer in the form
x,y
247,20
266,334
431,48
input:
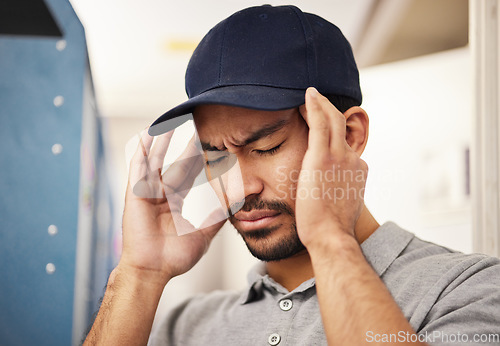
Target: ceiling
x,y
139,49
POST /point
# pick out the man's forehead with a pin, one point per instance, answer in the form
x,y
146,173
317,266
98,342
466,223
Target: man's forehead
x,y
240,126
221,114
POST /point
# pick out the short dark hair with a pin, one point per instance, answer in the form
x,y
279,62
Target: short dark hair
x,y
342,103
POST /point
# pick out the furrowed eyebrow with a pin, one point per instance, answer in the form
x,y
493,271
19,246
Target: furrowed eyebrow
x,y
208,147
255,136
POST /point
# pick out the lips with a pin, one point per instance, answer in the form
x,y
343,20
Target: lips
x,y
255,215
256,219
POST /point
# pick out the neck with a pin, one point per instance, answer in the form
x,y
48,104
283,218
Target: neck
x,y
293,271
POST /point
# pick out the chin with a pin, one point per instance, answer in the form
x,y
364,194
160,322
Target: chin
x,y
274,243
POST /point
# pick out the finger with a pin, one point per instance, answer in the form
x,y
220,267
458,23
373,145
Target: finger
x,y
212,225
145,172
317,120
139,166
338,128
181,174
145,141
159,150
196,164
337,125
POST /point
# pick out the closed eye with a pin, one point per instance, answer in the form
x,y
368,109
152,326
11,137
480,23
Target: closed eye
x,y
215,162
269,151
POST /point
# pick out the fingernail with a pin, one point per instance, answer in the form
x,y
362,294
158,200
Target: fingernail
x,y
313,92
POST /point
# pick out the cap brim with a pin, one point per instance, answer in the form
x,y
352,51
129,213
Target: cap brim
x,y
245,96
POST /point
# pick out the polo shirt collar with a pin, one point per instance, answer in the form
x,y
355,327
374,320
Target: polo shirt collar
x,y
259,280
380,249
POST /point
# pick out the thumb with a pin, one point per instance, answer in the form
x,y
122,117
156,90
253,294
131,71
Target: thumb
x,y
212,225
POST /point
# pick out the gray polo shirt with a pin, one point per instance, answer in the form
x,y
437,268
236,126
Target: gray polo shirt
x,y
448,297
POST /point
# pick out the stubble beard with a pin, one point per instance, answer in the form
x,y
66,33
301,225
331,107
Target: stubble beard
x,y
260,242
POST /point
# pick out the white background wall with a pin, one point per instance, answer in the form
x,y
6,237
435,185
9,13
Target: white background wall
x,y
420,128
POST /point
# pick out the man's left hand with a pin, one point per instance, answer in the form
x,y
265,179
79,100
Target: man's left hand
x,y
331,184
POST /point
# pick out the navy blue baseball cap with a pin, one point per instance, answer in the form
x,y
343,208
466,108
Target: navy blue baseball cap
x,y
265,58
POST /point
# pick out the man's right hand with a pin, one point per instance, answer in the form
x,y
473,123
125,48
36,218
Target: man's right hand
x,y
152,222
153,251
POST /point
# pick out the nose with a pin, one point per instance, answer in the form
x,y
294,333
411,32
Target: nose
x,y
240,182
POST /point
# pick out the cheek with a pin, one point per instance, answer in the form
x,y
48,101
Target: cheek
x,y
285,174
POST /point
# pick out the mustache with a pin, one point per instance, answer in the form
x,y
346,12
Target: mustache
x,y
258,203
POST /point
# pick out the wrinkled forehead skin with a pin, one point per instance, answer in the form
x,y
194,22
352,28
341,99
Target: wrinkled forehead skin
x,y
219,125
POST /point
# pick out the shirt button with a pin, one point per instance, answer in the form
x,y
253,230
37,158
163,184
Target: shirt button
x,y
286,304
274,339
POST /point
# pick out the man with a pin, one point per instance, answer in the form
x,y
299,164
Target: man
x,y
330,274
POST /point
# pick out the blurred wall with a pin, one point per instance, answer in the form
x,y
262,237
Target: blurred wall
x,y
420,132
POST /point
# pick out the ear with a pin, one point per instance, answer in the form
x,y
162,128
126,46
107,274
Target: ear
x,y
356,128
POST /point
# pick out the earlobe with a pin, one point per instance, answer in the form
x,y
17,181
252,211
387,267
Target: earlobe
x,y
357,124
